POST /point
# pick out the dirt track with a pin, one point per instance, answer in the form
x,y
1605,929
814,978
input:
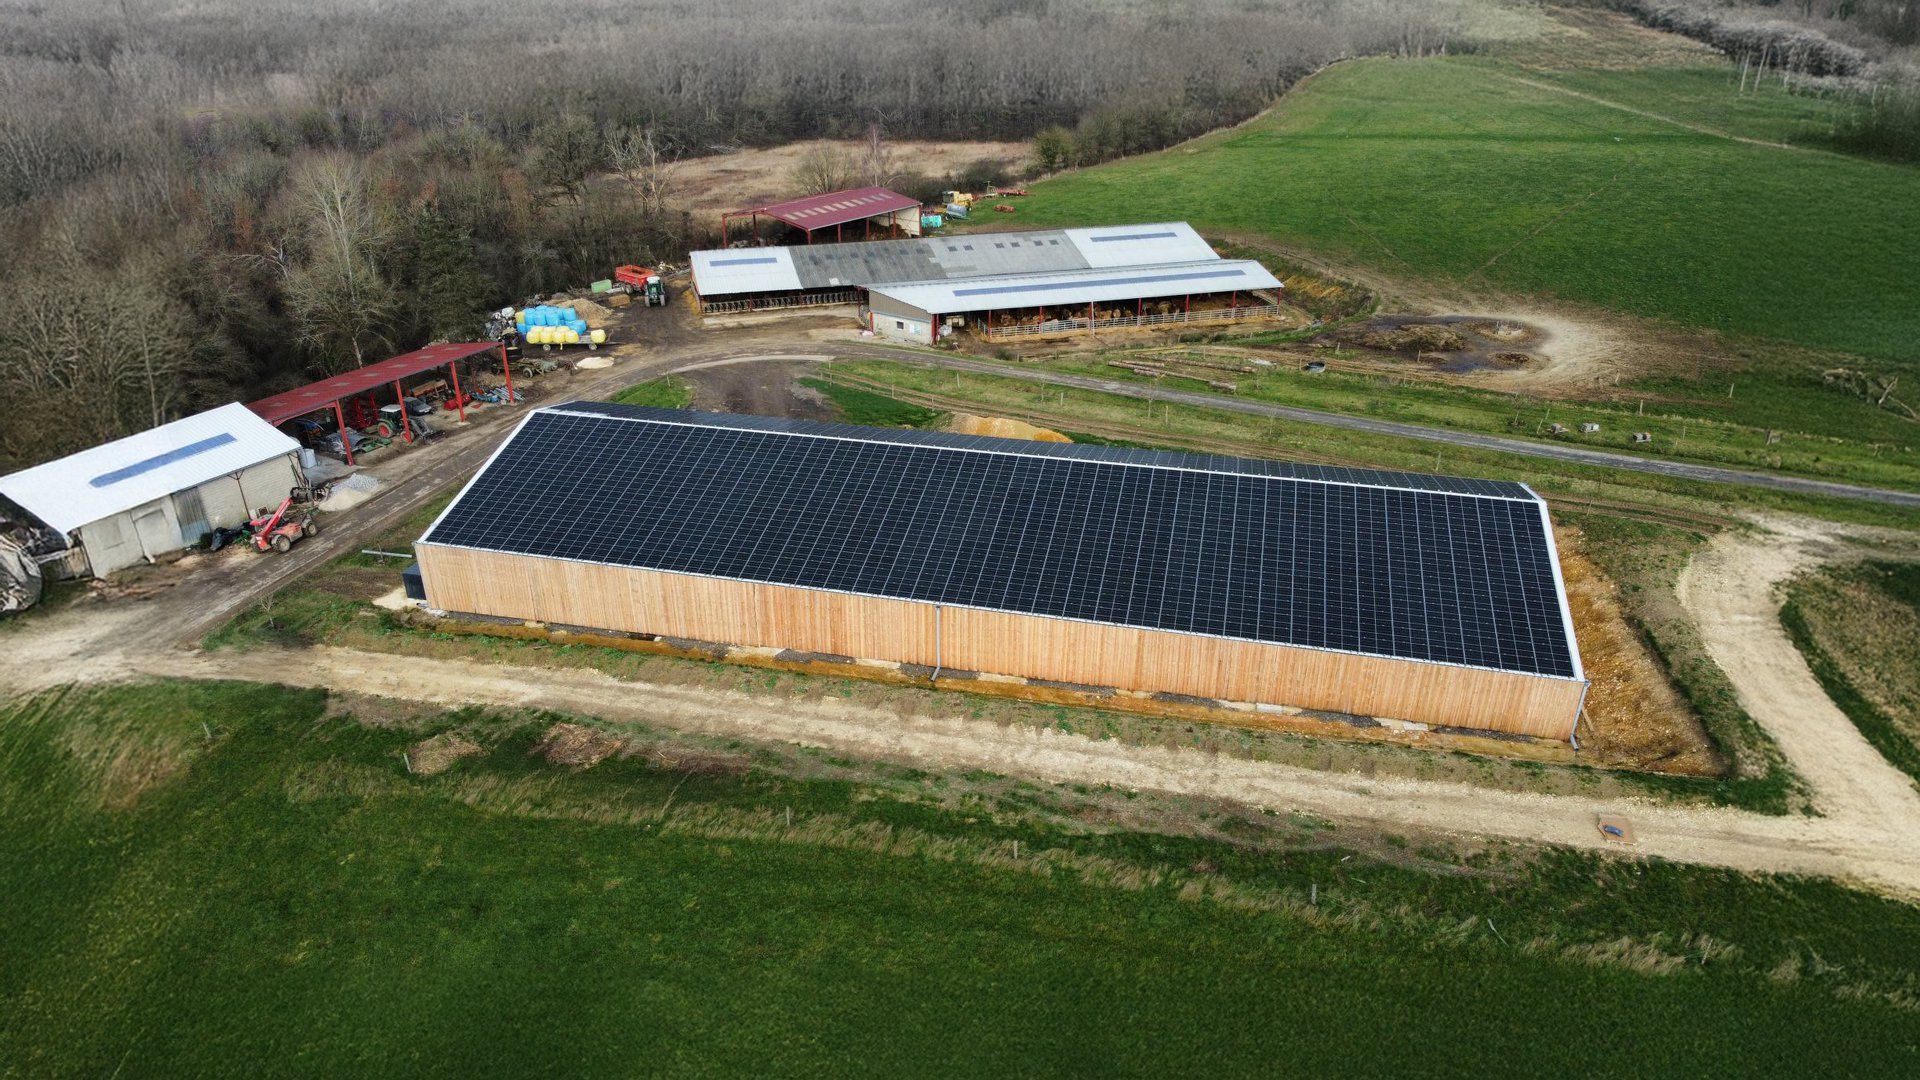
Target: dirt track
x,y
1730,590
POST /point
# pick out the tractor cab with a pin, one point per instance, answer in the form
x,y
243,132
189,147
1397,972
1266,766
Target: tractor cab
x,y
411,426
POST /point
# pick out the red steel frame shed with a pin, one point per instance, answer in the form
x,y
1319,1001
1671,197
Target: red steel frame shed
x,y
834,209
316,396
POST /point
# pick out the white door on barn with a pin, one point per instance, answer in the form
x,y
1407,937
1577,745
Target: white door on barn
x,y
158,535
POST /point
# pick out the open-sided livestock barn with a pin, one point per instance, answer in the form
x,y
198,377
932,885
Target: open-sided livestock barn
x,y
765,278
1022,304
1419,598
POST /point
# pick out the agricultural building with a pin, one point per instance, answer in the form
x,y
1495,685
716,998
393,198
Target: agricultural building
x,y
1381,594
386,375
836,214
1027,304
160,491
771,278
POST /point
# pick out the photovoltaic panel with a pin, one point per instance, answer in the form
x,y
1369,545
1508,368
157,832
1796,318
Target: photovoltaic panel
x,y
1390,564
1058,286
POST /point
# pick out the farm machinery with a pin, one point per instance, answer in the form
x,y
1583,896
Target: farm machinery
x,y
641,283
280,530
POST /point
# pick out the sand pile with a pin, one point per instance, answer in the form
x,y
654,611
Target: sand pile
x,y
1001,427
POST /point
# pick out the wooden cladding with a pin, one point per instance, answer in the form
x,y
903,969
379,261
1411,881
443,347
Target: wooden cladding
x,y
966,639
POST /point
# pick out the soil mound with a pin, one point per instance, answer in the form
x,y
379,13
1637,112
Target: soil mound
x,y
1003,428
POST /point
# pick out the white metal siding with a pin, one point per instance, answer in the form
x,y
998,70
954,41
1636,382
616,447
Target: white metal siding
x,y
1078,287
743,270
268,482
132,472
111,544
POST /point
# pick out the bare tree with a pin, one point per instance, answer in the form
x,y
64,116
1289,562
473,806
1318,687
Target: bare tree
x,y
644,163
340,303
824,167
876,158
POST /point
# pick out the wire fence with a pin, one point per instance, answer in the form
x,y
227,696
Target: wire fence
x,y
1062,326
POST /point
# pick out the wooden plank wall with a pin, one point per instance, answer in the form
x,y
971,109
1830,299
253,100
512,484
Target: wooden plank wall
x,y
775,616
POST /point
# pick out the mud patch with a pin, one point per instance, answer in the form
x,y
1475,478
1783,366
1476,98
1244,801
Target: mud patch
x,y
1451,343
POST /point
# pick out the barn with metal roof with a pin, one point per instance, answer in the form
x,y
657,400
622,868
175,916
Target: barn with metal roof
x,y
763,278
1380,594
1109,297
147,495
895,214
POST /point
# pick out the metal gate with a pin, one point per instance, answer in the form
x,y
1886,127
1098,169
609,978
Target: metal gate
x,y
192,512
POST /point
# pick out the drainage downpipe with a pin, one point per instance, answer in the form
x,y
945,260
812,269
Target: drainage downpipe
x,y
1573,733
934,679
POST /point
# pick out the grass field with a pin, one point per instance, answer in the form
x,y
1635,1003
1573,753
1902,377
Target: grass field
x,y
1859,628
665,393
1477,172
1163,425
218,878
1732,432
1450,168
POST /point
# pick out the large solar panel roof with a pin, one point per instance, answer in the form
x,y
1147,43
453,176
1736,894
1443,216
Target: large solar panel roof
x,y
1402,565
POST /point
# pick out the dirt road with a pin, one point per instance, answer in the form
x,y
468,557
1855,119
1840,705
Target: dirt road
x,y
1552,451
1850,847
1730,590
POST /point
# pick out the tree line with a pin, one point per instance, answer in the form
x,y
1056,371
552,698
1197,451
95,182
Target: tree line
x,y
220,200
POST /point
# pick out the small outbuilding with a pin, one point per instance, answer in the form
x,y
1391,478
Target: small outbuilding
x,y
158,492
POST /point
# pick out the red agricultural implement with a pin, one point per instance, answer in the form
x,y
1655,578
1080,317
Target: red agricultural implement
x,y
279,531
643,283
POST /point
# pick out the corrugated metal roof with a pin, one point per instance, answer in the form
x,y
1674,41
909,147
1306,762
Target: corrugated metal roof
x,y
729,271
313,397
942,258
1081,286
970,255
828,266
836,207
106,480
1141,245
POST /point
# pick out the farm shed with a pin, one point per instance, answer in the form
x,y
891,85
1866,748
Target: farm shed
x,y
896,214
1026,304
757,279
1420,598
160,491
375,378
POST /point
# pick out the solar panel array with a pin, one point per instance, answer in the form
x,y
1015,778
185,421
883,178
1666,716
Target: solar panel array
x,y
1390,564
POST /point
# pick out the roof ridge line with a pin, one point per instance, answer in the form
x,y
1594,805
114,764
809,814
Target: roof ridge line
x,y
1012,451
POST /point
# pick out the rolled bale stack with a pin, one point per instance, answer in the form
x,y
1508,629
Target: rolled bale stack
x,y
547,324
